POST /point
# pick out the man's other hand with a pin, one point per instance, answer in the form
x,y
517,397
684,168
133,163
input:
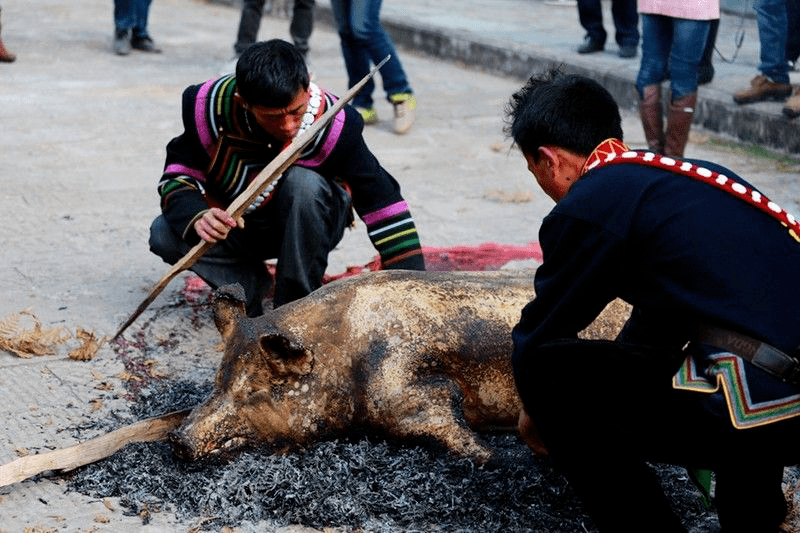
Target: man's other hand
x,y
530,435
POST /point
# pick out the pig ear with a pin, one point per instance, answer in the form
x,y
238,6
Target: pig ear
x,y
229,308
286,357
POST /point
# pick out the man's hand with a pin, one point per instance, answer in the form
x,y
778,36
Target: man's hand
x,y
529,434
215,224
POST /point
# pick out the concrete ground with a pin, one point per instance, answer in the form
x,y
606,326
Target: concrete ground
x,y
82,147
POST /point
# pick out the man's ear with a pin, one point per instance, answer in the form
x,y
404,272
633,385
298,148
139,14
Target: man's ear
x,y
559,169
545,162
548,158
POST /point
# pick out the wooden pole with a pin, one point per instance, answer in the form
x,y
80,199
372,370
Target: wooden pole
x,y
92,450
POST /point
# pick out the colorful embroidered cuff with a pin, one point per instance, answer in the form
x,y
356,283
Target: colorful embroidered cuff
x,y
394,235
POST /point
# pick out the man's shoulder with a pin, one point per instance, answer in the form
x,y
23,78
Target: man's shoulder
x,y
349,115
646,170
214,87
612,194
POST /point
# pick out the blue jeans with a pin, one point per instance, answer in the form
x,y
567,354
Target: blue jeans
x,y
365,42
772,35
132,15
300,226
677,43
626,21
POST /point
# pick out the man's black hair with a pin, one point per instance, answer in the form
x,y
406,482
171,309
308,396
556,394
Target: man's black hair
x,y
270,73
564,110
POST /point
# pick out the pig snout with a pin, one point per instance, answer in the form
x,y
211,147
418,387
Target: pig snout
x,y
182,448
211,429
189,448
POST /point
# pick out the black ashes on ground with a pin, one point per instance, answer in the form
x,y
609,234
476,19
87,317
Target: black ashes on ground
x,y
363,483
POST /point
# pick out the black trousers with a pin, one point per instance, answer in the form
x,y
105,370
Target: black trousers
x,y
793,35
300,226
300,27
605,409
626,21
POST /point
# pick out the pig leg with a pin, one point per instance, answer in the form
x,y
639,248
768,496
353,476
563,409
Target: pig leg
x,y
431,411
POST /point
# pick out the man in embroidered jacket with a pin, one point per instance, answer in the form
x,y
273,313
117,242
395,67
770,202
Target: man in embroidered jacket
x,y
686,243
234,126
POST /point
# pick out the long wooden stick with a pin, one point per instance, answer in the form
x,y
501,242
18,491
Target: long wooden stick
x,y
268,175
92,450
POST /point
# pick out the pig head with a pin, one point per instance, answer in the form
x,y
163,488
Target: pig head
x,y
415,355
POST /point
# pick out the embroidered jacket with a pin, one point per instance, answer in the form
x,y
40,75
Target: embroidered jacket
x,y
222,149
682,252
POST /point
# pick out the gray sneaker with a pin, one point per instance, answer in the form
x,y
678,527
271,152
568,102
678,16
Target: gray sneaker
x,y
122,42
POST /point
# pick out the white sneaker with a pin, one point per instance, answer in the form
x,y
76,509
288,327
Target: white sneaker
x,y
405,105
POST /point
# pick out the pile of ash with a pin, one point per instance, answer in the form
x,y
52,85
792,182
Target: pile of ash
x,y
359,484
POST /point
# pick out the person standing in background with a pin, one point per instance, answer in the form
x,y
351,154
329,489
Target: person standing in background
x,y
674,37
130,27
364,41
300,27
792,33
5,55
706,71
791,108
626,21
772,81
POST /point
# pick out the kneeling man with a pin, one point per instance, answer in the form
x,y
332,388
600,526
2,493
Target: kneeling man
x,y
705,373
233,127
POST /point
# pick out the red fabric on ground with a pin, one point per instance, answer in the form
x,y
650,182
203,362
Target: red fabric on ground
x,y
486,256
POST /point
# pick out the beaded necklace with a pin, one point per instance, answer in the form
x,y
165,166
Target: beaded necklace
x,y
614,151
312,109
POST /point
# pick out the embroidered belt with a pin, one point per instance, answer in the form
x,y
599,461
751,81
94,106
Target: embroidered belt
x,y
760,354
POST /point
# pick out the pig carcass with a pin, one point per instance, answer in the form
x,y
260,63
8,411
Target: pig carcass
x,y
414,355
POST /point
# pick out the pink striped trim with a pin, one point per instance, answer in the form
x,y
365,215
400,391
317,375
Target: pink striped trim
x,y
176,168
386,212
336,127
200,114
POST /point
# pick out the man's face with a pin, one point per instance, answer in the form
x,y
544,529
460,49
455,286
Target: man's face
x,y
282,123
543,177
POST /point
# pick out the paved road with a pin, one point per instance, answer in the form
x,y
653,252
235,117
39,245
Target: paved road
x,y
82,146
